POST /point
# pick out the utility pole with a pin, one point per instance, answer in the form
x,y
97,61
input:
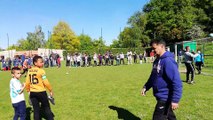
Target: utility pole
x,y
0,46
8,41
82,31
100,46
101,33
49,38
8,44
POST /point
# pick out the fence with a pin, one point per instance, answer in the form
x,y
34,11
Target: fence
x,y
205,45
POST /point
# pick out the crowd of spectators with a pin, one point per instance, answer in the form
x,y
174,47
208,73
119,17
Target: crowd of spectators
x,y
106,59
24,61
79,60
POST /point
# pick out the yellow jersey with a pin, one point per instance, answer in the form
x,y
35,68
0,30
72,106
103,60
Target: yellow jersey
x,y
36,80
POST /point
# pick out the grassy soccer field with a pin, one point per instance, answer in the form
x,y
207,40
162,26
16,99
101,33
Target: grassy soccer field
x,y
111,93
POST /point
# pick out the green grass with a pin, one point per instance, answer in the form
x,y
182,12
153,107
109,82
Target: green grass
x,y
208,50
87,93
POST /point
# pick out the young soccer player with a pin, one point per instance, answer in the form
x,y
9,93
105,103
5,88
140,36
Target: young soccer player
x,y
36,82
16,94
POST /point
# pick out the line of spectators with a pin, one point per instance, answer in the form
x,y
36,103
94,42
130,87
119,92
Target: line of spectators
x,y
17,61
23,61
107,59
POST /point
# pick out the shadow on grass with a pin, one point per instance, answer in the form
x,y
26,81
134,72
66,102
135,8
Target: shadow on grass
x,y
184,81
29,111
124,114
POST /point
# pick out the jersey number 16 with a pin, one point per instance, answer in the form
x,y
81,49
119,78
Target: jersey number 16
x,y
33,79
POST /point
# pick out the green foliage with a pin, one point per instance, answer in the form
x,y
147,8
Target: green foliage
x,y
89,47
23,44
135,35
208,52
196,32
99,44
64,38
170,20
85,42
12,47
126,38
206,19
115,44
35,39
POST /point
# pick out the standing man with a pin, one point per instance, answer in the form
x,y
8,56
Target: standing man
x,y
189,66
145,56
129,57
165,81
122,58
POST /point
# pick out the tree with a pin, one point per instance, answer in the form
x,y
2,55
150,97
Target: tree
x,y
195,32
23,44
171,19
85,42
126,38
64,38
99,44
205,13
138,24
12,47
36,39
33,41
135,35
115,44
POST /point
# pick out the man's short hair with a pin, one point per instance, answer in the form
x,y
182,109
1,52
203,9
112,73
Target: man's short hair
x,y
35,59
186,47
14,69
162,42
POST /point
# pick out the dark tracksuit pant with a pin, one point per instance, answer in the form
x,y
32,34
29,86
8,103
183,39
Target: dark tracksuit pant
x,y
163,111
189,69
37,98
20,110
198,66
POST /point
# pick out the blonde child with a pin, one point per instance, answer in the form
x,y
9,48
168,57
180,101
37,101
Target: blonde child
x,y
16,94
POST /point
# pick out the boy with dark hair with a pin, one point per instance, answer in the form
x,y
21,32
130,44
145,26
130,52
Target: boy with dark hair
x,y
36,82
165,81
16,94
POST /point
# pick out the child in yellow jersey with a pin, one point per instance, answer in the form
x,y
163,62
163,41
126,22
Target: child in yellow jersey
x,y
36,84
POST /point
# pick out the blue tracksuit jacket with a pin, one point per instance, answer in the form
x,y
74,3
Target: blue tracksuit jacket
x,y
165,79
